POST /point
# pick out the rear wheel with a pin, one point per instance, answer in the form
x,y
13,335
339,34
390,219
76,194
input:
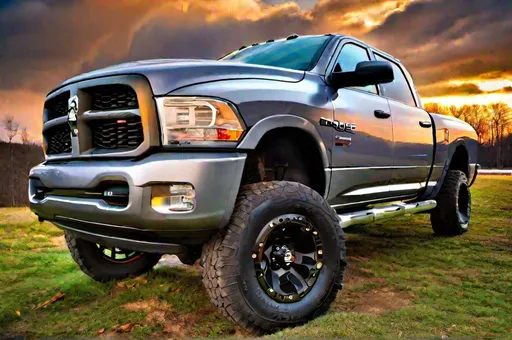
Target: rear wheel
x,y
109,263
453,211
280,261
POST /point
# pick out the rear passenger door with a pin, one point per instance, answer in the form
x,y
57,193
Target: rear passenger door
x,y
413,140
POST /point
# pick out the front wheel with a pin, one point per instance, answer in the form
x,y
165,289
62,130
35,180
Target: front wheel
x,y
453,211
109,263
280,261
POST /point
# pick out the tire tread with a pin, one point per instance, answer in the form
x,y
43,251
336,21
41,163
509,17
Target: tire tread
x,y
83,259
444,217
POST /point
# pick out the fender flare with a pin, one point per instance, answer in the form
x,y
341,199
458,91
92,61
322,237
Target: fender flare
x,y
258,130
451,151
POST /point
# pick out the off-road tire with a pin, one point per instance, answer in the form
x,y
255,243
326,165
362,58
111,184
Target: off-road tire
x,y
453,211
229,275
92,263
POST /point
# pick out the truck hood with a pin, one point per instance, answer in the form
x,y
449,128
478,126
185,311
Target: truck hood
x,y
167,75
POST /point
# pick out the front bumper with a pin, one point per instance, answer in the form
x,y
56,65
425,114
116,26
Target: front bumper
x,y
215,176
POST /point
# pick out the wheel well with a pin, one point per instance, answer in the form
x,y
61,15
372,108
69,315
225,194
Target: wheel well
x,y
460,160
289,154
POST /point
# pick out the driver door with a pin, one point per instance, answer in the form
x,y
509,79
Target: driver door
x,y
362,158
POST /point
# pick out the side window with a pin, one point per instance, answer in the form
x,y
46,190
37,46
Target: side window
x,y
398,89
348,59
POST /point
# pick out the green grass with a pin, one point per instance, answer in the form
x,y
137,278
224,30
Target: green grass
x,y
402,281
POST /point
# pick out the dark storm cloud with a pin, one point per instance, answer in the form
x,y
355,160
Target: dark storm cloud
x,y
42,41
441,40
450,90
179,38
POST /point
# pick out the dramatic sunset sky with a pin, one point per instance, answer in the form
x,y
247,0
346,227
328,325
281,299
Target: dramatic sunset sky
x,y
459,51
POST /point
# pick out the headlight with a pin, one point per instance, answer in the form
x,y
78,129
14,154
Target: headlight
x,y
197,119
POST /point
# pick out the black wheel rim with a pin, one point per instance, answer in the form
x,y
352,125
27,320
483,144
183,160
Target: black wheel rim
x,y
288,257
118,255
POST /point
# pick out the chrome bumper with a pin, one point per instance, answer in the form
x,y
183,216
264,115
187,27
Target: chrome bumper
x,y
215,176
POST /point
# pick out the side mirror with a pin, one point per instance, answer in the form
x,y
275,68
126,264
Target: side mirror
x,y
366,73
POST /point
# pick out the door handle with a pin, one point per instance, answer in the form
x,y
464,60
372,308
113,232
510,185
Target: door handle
x,y
381,114
425,123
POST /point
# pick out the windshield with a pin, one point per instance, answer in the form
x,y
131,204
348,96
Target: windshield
x,y
296,54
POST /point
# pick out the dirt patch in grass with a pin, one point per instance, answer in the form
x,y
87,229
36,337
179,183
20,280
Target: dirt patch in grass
x,y
365,293
147,305
380,300
162,315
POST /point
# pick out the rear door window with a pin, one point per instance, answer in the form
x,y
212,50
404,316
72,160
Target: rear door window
x,y
399,89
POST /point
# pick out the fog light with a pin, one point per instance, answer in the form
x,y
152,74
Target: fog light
x,y
174,197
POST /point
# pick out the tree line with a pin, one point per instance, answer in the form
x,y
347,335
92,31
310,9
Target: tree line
x,y
16,160
493,126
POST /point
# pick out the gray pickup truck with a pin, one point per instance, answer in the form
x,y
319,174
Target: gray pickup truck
x,y
253,164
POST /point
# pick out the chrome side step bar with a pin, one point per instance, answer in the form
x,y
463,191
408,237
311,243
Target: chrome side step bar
x,y
382,213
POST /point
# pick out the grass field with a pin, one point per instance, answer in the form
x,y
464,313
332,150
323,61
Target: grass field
x,y
402,282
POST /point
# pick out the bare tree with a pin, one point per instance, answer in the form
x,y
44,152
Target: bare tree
x,y
476,116
25,138
454,111
12,127
436,108
501,121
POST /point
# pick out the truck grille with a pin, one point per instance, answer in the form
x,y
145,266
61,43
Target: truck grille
x,y
112,97
109,121
57,106
117,133
59,140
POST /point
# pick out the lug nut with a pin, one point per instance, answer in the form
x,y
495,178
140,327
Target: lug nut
x,y
320,252
254,256
319,265
261,244
290,297
277,248
270,290
308,229
315,232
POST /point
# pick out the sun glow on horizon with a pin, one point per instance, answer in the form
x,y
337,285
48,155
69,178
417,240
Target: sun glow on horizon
x,y
485,85
482,99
